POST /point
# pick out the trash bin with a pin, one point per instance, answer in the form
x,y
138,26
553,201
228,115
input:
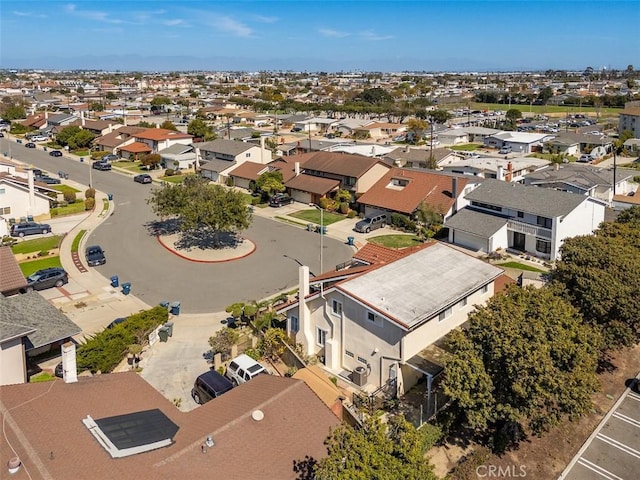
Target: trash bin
x,y
322,230
81,159
310,227
44,148
115,282
126,288
164,304
175,308
163,333
350,240
169,327
110,196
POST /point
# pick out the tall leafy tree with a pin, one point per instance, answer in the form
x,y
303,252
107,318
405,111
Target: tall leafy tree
x,y
270,183
198,128
168,125
376,451
526,360
202,207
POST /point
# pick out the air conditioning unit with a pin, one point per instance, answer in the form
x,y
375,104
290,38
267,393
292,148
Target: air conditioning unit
x,y
359,376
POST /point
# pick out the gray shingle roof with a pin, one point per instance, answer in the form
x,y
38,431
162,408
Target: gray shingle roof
x,y
477,223
533,200
32,311
229,147
217,165
578,175
176,149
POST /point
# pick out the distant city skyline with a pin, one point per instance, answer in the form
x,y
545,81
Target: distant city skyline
x,y
330,36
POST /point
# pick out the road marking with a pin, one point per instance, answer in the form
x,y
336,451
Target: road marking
x,y
618,445
629,420
598,469
634,397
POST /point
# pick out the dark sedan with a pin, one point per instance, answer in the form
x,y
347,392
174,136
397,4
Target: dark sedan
x,y
100,165
55,153
47,278
30,145
142,178
95,256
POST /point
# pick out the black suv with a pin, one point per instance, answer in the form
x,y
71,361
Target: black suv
x,y
100,165
47,179
29,228
208,386
280,199
47,278
95,256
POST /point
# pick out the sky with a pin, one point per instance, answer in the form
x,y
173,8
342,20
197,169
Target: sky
x,y
314,36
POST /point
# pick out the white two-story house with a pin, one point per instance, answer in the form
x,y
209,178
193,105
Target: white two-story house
x,y
370,326
506,215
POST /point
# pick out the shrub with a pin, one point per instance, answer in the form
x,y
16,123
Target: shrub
x,y
327,204
169,172
230,182
255,200
89,203
223,340
272,343
7,240
253,353
402,222
69,196
352,214
43,253
344,208
90,193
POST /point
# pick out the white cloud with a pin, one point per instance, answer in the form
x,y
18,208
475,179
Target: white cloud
x,y
265,19
374,37
230,25
176,22
29,14
328,32
95,15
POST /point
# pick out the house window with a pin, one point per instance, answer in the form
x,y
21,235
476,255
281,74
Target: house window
x,y
348,353
544,222
5,210
247,155
321,337
362,360
543,246
3,190
336,307
484,289
520,214
462,303
294,323
351,181
371,316
486,206
445,313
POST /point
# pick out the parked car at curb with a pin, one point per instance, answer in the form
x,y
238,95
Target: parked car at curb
x,y
30,145
47,179
95,256
586,158
47,278
109,158
243,368
29,228
143,178
55,153
208,386
280,199
100,165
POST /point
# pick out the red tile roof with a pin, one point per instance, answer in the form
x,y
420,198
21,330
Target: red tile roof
x,y
11,277
432,188
376,254
161,134
43,422
136,147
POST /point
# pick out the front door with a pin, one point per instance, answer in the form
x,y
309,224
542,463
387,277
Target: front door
x,y
518,241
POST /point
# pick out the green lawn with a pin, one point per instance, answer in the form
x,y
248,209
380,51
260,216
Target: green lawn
x,y
127,165
173,178
42,377
37,244
467,147
396,241
29,267
71,209
313,216
520,266
82,153
64,188
76,241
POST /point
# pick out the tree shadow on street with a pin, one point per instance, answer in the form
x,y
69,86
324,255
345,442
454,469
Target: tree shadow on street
x,y
198,239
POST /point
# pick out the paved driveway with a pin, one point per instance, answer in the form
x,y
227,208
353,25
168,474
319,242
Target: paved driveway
x,y
613,450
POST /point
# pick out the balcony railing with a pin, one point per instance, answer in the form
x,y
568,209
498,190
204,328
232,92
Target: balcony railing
x,y
528,229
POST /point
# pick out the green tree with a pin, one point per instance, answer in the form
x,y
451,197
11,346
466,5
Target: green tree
x,y
416,127
376,451
429,218
159,101
66,134
270,183
13,112
525,361
82,139
223,340
96,106
198,128
545,94
375,96
151,160
439,116
201,207
168,125
146,124
110,96
272,344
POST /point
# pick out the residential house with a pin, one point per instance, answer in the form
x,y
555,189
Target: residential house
x,y
178,157
12,280
97,127
419,157
324,173
118,426
377,130
29,326
520,142
453,136
629,119
402,190
22,198
218,157
368,327
512,169
506,215
583,180
159,138
575,144
113,141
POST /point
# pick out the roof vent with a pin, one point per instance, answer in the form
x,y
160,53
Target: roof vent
x,y
257,415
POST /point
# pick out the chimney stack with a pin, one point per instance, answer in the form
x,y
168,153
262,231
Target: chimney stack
x,y
500,173
296,168
82,117
69,367
454,194
262,150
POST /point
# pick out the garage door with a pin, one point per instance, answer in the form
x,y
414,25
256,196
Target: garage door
x,y
300,196
469,240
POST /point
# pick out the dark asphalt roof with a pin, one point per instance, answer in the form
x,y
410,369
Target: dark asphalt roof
x,y
477,223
